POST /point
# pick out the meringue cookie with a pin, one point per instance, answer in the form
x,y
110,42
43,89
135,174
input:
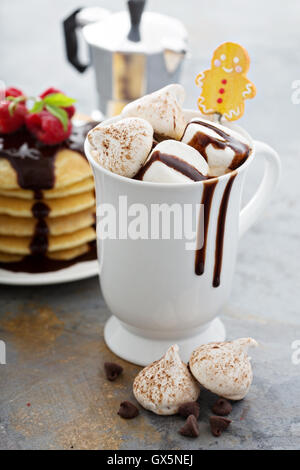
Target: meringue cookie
x,y
123,146
174,162
224,368
224,149
163,109
166,384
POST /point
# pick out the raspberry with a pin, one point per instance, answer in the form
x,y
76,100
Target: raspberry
x,y
10,123
15,92
47,128
70,109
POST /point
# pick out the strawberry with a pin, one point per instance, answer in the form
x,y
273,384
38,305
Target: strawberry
x,y
70,109
47,128
12,111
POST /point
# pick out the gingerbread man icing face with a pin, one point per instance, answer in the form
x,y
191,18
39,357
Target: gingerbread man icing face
x,y
231,58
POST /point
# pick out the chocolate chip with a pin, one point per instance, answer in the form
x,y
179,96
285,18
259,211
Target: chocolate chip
x,y
190,427
128,410
112,370
189,408
218,424
222,407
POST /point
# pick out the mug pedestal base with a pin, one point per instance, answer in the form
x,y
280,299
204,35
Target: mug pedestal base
x,y
142,351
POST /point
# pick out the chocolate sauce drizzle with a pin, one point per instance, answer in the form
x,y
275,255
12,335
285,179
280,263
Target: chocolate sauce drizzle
x,y
173,162
200,255
200,141
207,197
34,164
221,231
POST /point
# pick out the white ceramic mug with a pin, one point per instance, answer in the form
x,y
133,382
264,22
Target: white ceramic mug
x,y
150,286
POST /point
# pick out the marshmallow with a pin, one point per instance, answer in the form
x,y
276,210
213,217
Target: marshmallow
x,y
166,384
163,109
224,149
123,146
174,162
224,368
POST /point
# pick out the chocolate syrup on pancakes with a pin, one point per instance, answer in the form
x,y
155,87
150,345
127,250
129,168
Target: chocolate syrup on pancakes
x,y
34,163
37,263
39,242
200,141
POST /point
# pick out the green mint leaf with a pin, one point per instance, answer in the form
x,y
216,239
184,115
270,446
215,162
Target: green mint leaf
x,y
37,107
16,99
12,107
59,99
60,114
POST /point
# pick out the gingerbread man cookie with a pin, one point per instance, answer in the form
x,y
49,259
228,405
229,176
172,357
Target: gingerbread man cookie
x,y
224,87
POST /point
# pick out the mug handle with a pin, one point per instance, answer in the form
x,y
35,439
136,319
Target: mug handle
x,y
252,211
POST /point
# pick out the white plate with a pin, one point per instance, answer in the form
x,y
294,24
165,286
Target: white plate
x,y
76,272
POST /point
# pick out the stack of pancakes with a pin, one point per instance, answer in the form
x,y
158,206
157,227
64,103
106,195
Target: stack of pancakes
x,y
47,200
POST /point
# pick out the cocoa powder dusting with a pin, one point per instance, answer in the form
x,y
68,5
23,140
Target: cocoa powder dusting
x,y
73,406
33,331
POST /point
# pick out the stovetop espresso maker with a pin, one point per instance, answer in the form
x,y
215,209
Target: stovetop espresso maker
x,y
132,52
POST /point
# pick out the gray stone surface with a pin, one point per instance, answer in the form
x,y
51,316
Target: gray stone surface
x,y
54,335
